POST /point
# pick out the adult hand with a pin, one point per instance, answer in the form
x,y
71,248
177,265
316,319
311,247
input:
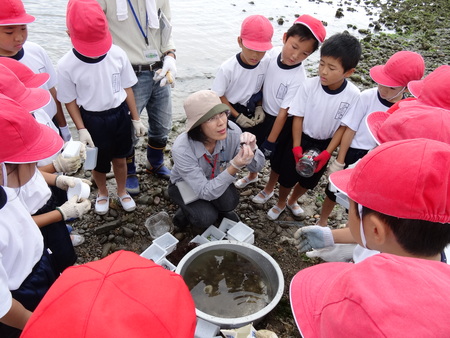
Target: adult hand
x,y
335,253
249,139
268,148
335,166
244,121
313,237
243,157
74,209
167,73
139,127
67,165
321,160
65,133
259,115
298,153
85,137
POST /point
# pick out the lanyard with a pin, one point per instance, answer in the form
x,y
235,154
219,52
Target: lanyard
x,y
138,23
213,166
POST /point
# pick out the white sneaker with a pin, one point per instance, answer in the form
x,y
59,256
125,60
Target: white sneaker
x,y
243,182
261,200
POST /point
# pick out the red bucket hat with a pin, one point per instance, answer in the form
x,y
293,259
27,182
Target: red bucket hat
x,y
382,296
88,28
410,122
122,295
406,179
13,13
314,25
29,78
23,139
29,98
434,89
256,33
399,70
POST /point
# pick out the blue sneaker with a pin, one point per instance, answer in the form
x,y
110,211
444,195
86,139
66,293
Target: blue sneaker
x,y
132,184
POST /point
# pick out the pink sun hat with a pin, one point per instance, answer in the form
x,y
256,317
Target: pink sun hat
x,y
29,98
256,33
406,179
399,70
88,28
13,13
26,140
121,295
407,122
434,89
29,78
314,25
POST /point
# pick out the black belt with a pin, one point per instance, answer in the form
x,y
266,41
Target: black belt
x,y
150,67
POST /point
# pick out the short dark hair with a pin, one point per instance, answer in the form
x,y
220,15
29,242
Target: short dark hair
x,y
344,47
417,237
303,33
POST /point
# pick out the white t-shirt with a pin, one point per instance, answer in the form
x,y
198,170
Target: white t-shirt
x,y
369,102
322,108
35,193
42,117
238,81
281,83
21,246
96,86
37,59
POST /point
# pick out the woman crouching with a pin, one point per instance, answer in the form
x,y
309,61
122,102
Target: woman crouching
x,y
207,158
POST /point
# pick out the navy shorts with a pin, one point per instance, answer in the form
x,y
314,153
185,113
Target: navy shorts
x,y
111,132
289,176
284,143
351,157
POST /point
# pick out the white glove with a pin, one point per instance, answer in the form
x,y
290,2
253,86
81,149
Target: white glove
x,y
74,209
313,237
243,157
250,139
85,137
67,165
139,127
335,253
335,166
65,182
65,133
259,115
244,121
167,73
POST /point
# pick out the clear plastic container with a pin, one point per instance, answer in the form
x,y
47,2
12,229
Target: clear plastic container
x,y
91,158
306,165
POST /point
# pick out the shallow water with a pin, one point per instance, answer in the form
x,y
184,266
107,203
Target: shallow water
x,y
205,32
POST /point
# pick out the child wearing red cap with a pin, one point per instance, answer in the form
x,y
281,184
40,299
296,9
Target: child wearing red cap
x,y
239,80
95,80
317,109
27,269
14,44
403,211
284,75
392,79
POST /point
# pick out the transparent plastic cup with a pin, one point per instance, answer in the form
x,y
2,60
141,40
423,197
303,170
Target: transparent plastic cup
x,y
91,158
306,165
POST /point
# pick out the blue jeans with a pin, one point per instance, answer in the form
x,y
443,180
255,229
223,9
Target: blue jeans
x,y
157,101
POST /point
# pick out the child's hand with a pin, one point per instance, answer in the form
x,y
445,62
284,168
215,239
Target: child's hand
x,y
139,127
244,121
68,165
335,166
259,115
298,153
268,148
85,137
335,253
74,209
321,160
313,237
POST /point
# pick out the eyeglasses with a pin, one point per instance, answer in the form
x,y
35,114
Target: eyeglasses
x,y
221,115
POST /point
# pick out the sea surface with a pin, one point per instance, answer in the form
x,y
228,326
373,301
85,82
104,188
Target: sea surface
x,y
205,32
